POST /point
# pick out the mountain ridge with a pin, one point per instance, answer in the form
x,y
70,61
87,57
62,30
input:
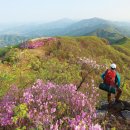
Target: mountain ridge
x,y
67,27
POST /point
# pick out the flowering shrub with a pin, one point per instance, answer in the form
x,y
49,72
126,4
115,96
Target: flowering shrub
x,y
50,107
88,66
90,62
36,43
32,45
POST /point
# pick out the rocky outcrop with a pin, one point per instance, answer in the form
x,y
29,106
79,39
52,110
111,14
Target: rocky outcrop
x,y
116,114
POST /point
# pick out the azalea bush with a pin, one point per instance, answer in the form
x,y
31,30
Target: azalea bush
x,y
90,64
50,107
89,69
32,44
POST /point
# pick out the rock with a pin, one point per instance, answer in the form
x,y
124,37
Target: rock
x,y
103,105
116,115
117,107
127,105
101,113
122,105
126,115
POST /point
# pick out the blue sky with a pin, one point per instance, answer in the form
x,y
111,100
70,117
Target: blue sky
x,y
48,10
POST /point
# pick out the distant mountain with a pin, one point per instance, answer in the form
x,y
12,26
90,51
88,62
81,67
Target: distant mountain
x,y
98,27
85,26
62,23
38,29
112,31
7,40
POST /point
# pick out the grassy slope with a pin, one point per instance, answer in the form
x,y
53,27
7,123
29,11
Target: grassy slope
x,y
111,36
69,49
123,46
99,50
95,48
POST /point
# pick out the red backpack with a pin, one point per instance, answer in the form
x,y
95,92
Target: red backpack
x,y
110,76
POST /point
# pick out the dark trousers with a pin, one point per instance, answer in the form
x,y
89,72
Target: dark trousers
x,y
118,94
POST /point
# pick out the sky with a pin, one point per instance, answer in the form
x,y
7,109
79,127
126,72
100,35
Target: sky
x,y
12,11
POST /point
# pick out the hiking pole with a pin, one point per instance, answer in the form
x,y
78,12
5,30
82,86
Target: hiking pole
x,y
83,79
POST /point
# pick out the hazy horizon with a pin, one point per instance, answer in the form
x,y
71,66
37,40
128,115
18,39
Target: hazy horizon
x,y
56,20
27,11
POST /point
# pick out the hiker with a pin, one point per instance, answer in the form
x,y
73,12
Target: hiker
x,y
112,78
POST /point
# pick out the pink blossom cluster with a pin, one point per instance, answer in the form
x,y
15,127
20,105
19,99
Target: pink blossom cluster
x,y
54,107
52,39
92,63
7,104
36,43
32,44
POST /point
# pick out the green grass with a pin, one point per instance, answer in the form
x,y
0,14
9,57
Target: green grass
x,y
123,46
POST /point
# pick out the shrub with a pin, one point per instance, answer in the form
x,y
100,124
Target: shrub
x,y
59,72
12,56
49,106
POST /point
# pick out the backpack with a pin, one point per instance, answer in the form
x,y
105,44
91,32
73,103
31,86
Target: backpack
x,y
110,76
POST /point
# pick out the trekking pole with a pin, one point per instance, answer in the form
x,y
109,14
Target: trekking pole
x,y
83,79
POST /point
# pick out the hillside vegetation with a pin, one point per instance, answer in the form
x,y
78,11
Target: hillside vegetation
x,y
52,83
58,61
123,46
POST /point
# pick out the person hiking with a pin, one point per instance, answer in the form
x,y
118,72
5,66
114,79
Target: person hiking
x,y
112,78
